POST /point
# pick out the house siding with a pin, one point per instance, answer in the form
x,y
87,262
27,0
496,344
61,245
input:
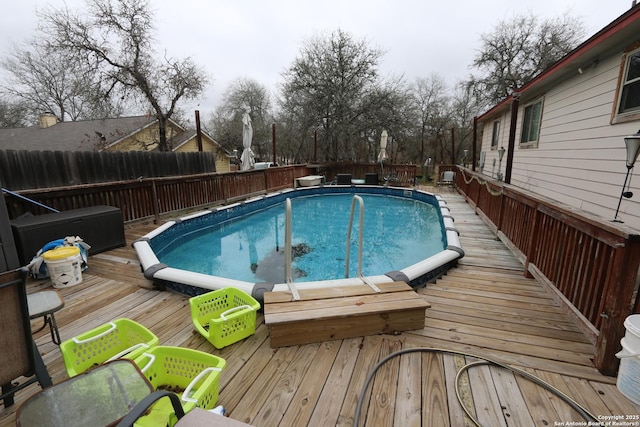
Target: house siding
x,y
491,162
222,159
580,156
145,139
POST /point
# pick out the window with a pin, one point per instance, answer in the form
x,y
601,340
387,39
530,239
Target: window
x,y
629,87
531,122
496,134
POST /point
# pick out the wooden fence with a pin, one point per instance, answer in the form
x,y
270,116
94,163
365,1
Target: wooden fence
x,y
589,264
22,170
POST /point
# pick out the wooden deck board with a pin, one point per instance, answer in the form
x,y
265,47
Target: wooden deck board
x,y
434,392
334,361
408,402
486,307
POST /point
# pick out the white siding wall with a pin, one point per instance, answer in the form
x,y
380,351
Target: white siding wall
x,y
492,164
580,158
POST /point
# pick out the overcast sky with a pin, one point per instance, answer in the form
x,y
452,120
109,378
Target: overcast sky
x,y
259,39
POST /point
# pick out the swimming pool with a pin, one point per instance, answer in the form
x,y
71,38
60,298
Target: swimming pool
x,y
242,244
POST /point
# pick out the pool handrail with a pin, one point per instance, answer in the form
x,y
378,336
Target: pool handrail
x,y
360,242
288,260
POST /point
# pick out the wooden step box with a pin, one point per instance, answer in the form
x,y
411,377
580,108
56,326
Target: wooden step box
x,y
342,312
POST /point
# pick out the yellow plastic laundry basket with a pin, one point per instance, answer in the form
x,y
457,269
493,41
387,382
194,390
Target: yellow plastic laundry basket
x,y
192,374
224,316
113,340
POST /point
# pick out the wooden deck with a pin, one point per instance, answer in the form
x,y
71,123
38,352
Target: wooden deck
x,y
484,307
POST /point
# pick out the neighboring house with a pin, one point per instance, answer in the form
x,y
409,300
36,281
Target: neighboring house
x,y
569,125
139,133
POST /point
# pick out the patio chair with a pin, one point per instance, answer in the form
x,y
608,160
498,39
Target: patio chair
x,y
446,178
20,356
139,410
343,178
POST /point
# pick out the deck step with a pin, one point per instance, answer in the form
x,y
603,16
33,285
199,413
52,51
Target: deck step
x,y
342,312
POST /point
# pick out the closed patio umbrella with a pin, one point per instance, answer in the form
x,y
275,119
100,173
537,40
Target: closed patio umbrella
x,y
383,150
382,156
247,158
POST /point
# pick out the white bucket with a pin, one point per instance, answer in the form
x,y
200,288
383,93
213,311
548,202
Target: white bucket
x,y
64,265
629,372
632,335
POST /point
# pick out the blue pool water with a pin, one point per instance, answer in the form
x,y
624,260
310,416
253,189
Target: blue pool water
x,y
398,232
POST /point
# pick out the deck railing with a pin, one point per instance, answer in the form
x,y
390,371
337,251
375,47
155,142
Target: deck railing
x,y
397,175
152,197
591,265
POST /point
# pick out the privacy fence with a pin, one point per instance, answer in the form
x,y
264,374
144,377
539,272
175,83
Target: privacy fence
x,y
22,170
589,264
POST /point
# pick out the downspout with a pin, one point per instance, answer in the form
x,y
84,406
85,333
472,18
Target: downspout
x,y
473,144
512,136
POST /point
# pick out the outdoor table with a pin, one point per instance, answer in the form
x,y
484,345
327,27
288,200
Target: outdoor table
x,y
45,304
98,397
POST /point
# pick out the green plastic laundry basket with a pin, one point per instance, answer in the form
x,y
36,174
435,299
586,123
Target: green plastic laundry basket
x,y
225,316
121,338
193,375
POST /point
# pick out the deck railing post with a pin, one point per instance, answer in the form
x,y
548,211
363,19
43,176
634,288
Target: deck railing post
x,y
617,303
478,189
500,210
266,180
532,241
154,202
225,187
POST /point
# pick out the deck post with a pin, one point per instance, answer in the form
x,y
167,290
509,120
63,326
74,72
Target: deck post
x,y
500,210
617,304
154,202
532,241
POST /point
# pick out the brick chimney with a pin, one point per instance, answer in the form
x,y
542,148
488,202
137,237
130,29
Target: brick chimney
x,y
47,119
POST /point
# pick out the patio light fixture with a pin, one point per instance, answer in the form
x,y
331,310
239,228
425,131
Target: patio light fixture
x,y
632,142
500,156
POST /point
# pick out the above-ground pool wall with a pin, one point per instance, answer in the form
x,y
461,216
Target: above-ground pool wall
x,y
191,283
418,275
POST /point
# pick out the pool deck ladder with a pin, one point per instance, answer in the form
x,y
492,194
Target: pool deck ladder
x,y
288,261
358,199
288,271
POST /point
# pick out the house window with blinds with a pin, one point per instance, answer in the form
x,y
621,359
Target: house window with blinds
x,y
531,123
629,90
496,134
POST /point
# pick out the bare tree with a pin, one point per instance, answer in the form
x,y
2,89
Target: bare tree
x,y
430,99
326,86
244,95
116,36
392,109
519,49
44,79
465,105
12,115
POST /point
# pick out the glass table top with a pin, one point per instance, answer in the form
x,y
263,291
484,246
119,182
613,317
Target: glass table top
x,y
98,397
